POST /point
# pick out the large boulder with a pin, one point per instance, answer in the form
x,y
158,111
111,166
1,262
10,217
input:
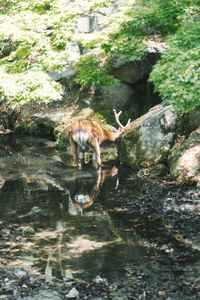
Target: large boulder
x,y
133,71
68,74
185,159
149,138
88,23
45,122
119,96
191,120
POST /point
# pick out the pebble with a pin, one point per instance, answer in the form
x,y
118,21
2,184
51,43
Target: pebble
x,y
73,293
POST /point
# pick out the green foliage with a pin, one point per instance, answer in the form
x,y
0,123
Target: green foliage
x,y
37,37
176,76
126,39
89,72
130,52
28,86
41,34
5,5
35,211
166,16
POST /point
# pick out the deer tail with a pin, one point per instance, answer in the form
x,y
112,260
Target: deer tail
x,y
80,137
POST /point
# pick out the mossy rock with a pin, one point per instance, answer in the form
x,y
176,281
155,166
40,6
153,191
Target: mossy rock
x,y
129,148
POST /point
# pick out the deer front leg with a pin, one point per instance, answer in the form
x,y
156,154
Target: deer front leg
x,y
81,157
75,152
97,153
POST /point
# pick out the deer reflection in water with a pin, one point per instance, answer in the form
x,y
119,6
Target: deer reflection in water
x,y
83,191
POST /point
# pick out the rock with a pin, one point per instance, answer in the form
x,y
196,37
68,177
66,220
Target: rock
x,y
73,293
160,170
133,71
99,279
149,138
96,21
185,160
20,272
191,120
66,77
106,11
43,295
118,96
86,23
6,47
47,121
67,74
5,131
2,182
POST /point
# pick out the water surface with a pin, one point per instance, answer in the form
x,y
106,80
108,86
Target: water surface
x,y
90,224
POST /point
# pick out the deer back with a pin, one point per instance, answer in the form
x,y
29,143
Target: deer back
x,y
93,130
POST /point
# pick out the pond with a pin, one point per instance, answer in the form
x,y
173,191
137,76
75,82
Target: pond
x,y
109,224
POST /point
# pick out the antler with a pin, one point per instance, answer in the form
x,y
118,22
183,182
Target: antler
x,y
118,121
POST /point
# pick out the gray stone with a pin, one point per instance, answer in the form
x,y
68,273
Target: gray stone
x,y
149,138
20,272
191,120
157,129
133,71
67,74
43,295
185,160
6,47
105,12
118,96
86,24
48,119
73,293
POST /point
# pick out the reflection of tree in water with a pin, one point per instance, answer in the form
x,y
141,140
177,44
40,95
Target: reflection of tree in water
x,y
83,191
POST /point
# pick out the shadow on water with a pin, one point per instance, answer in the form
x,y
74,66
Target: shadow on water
x,y
89,223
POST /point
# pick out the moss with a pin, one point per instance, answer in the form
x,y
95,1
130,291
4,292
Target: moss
x,y
103,109
33,129
23,127
160,170
164,155
84,113
105,112
62,143
108,155
130,150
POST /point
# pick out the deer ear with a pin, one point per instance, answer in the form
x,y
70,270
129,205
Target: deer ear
x,y
114,129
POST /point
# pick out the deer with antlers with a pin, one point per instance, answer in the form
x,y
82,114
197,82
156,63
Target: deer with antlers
x,y
87,134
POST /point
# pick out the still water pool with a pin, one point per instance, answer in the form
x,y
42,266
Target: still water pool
x,y
87,224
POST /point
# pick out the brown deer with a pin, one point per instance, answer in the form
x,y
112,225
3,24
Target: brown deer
x,y
86,134
83,192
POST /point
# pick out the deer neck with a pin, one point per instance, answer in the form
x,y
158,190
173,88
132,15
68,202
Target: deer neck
x,y
111,136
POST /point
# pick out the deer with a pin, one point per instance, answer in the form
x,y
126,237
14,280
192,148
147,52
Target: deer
x,y
83,192
88,134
